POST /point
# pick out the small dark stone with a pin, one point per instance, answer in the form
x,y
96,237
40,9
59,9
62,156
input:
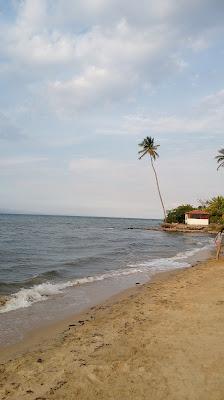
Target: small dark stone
x,y
137,283
39,360
40,398
72,324
29,391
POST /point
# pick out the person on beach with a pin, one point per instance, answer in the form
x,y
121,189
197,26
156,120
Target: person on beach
x,y
219,241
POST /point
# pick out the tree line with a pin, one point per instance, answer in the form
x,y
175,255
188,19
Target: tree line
x,y
214,206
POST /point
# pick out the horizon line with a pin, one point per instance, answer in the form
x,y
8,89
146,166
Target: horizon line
x,y
69,215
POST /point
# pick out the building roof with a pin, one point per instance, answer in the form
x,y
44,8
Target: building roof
x,y
198,212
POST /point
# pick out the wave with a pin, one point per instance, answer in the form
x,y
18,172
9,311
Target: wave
x,y
9,287
25,297
178,259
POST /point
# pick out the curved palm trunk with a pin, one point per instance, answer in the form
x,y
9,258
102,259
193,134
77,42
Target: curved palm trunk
x,y
157,183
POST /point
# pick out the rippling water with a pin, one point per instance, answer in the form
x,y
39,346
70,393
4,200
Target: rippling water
x,y
42,255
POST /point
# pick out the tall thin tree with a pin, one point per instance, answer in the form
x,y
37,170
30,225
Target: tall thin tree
x,y
149,147
220,159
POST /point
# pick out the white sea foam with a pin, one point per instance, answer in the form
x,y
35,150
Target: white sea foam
x,y
26,297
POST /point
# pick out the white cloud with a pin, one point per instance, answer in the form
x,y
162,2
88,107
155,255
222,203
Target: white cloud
x,y
132,46
44,49
36,49
30,40
47,31
113,63
93,86
32,14
166,124
190,14
206,117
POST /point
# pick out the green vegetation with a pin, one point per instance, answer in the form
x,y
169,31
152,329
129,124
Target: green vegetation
x,y
214,206
220,158
149,147
177,215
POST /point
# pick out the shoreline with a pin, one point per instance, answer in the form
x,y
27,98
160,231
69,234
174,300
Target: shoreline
x,y
49,331
25,321
164,337
180,228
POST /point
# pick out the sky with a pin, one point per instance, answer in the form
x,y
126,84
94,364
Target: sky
x,y
82,82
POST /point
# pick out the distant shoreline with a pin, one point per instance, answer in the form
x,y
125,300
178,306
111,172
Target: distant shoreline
x,y
182,228
32,214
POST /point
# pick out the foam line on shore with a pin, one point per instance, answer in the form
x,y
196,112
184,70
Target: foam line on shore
x,y
25,297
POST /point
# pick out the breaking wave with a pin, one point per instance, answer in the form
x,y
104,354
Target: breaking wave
x,y
25,297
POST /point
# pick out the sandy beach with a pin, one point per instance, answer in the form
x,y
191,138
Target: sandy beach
x,y
161,340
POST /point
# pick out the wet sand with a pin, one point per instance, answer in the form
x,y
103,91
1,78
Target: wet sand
x,y
3,300
162,340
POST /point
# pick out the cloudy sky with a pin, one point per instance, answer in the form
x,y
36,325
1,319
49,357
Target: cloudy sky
x,y
83,81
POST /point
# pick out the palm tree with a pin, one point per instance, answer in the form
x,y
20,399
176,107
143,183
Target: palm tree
x,y
220,158
149,147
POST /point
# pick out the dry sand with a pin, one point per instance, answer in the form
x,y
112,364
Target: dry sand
x,y
163,341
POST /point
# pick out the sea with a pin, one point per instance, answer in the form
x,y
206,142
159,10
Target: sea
x,y
55,266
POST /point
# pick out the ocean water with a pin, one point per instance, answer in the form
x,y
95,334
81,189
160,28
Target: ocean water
x,y
52,265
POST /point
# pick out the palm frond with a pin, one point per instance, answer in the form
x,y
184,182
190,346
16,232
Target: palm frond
x,y
145,152
220,159
141,151
155,155
148,146
220,165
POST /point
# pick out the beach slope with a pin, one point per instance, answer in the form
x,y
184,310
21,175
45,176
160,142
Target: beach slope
x,y
164,340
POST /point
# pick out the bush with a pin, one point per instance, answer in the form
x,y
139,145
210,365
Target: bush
x,y
178,214
215,207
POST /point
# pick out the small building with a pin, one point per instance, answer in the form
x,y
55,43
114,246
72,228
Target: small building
x,y
197,217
